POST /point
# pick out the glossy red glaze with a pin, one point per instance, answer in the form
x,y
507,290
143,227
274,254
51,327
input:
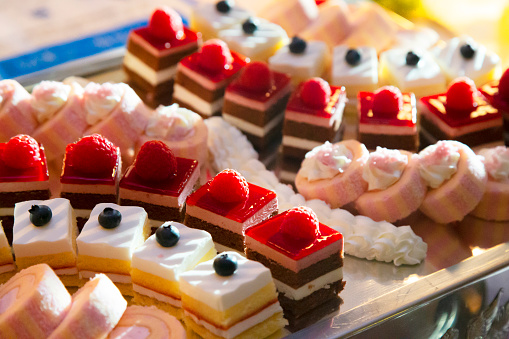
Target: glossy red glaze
x,y
406,117
172,186
38,172
281,82
71,176
190,37
267,232
296,104
193,64
490,91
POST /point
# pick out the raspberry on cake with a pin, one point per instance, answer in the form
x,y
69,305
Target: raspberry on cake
x,y
23,176
463,114
16,114
153,53
7,265
90,174
45,232
226,206
231,297
387,118
305,258
497,94
108,240
203,76
158,263
159,182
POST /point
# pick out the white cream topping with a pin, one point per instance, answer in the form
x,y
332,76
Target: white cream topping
x,y
438,163
310,63
323,281
344,74
207,15
172,123
48,97
252,128
326,161
383,168
152,76
496,162
100,100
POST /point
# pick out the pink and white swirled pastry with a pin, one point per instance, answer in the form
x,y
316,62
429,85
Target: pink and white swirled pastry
x,y
16,115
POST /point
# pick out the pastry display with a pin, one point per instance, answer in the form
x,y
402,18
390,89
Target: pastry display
x,y
158,263
159,182
203,76
229,297
16,114
463,114
153,53
388,118
226,206
497,94
7,265
293,15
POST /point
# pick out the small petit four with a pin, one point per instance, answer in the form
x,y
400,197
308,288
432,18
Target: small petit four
x,y
226,206
333,173
203,76
305,258
231,297
463,114
457,180
16,114
7,265
497,94
293,15
153,53
158,263
387,118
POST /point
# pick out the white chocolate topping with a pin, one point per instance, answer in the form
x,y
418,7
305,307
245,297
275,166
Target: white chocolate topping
x,y
208,16
496,162
100,100
438,163
344,74
310,63
383,168
48,97
326,161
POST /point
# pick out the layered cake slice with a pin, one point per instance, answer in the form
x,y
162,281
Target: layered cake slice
x,y
16,114
306,260
226,206
202,77
463,114
108,240
90,174
159,182
45,232
158,263
7,265
153,53
23,176
497,94
231,297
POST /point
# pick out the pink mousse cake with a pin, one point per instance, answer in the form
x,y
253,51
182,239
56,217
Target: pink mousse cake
x,y
16,114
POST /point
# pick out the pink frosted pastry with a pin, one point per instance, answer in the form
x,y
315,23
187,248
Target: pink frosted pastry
x,y
457,180
15,110
395,186
96,309
147,322
59,109
333,173
32,303
494,204
293,15
332,24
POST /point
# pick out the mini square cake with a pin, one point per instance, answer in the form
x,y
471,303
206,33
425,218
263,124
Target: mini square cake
x,y
90,174
226,206
158,263
7,265
45,232
159,182
255,104
231,297
23,176
411,71
497,94
462,114
153,53
202,78
256,38
387,118
305,258
108,240
301,59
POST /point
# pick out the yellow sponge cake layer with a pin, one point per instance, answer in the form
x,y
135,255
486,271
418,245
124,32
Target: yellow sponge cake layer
x,y
55,261
5,256
155,283
98,264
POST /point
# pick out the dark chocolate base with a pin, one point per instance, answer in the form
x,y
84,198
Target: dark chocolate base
x,y
297,323
297,308
80,222
403,142
192,86
88,201
9,199
220,235
157,212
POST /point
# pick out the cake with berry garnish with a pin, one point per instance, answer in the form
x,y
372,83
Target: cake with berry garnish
x,y
226,206
108,240
158,263
16,114
203,76
255,104
301,59
23,176
45,232
463,114
90,174
497,94
231,297
153,53
305,258
7,265
388,118
293,15
159,182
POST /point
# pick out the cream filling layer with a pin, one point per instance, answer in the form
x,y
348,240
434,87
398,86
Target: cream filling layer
x,y
321,282
201,80
149,198
389,130
152,76
7,268
88,189
313,119
454,132
8,187
300,143
202,106
81,213
118,278
158,296
6,211
252,128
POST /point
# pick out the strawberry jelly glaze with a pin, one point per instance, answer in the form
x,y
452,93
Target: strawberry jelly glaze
x,y
172,186
296,104
162,44
406,117
267,232
281,81
71,176
490,91
258,198
38,172
192,63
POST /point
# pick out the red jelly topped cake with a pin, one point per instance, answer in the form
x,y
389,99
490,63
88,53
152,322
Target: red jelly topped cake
x,y
497,94
462,114
153,53
226,206
159,182
387,118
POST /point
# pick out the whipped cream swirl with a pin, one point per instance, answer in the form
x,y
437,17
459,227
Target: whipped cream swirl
x,y
438,163
172,123
496,162
48,97
100,100
383,168
326,161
